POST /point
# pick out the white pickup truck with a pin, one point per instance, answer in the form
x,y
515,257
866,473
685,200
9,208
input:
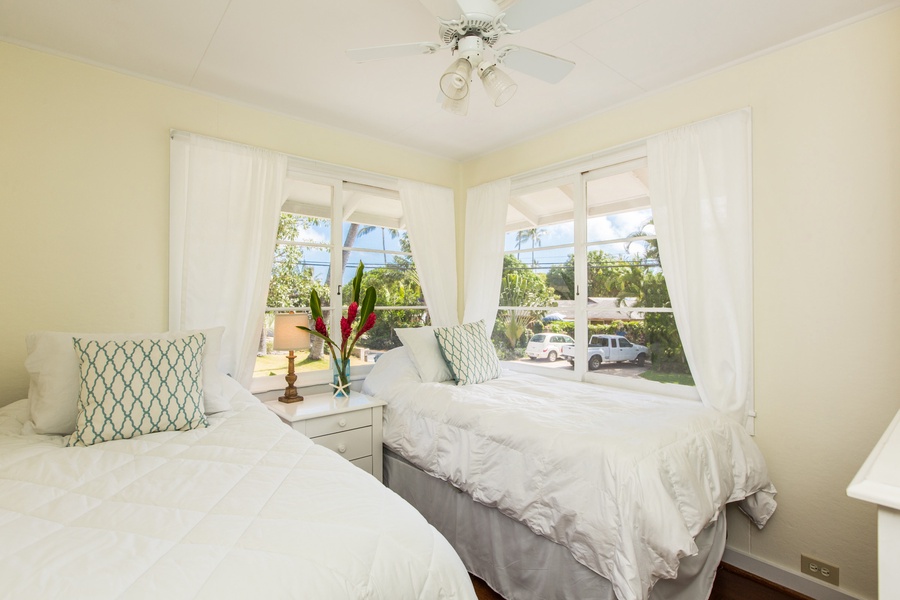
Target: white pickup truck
x,y
608,348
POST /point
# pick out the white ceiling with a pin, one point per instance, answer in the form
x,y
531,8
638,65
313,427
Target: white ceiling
x,y
288,56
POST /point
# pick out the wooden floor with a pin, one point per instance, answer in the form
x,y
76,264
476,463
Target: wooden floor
x,y
731,584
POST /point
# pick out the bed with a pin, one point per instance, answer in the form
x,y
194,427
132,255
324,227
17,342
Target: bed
x,y
569,490
239,507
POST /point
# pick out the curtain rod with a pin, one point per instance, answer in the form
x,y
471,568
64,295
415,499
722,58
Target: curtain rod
x,y
569,166
301,165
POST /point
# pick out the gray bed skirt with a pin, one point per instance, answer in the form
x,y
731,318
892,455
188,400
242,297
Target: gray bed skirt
x,y
521,565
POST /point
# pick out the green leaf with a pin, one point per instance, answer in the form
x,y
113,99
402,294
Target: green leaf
x,y
357,282
368,305
315,307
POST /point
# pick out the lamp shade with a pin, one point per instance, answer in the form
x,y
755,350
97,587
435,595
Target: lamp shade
x,y
455,80
287,336
499,86
457,107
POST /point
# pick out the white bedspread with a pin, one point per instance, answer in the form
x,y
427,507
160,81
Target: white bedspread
x,y
244,509
625,480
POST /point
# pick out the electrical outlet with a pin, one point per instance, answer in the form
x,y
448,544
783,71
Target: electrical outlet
x,y
819,570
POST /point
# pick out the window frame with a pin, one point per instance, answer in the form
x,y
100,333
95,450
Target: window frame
x,y
339,180
578,173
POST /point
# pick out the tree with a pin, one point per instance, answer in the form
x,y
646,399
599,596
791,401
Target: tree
x,y
520,287
534,235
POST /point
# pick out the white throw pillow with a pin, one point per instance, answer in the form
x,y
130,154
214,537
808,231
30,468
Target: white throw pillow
x,y
469,353
425,353
393,368
55,385
135,387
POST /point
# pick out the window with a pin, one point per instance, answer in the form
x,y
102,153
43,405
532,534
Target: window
x,y
327,227
581,260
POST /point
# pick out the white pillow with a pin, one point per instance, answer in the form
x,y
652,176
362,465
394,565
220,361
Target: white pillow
x,y
56,377
392,368
131,388
469,353
425,353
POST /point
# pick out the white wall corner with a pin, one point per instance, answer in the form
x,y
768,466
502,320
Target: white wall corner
x,y
789,579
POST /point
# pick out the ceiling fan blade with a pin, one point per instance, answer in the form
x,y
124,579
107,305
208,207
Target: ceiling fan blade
x,y
545,67
528,13
395,51
443,9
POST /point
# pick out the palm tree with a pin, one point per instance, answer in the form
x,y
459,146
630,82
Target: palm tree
x,y
534,235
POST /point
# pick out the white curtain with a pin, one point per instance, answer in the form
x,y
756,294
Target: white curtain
x,y
225,201
486,207
700,190
430,221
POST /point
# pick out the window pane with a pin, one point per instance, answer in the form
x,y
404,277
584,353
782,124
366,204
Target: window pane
x,y
633,223
394,278
296,271
373,237
274,362
300,228
382,338
523,240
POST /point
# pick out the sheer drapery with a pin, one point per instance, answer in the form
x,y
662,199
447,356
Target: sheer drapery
x,y
430,218
225,201
700,182
486,207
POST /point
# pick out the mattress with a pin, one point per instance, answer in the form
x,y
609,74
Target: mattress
x,y
625,480
244,508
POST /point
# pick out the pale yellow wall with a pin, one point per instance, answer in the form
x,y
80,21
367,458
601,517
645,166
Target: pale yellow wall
x,y
84,188
826,153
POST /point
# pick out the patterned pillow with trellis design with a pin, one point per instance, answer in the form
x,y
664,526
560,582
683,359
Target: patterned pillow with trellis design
x,y
135,387
468,352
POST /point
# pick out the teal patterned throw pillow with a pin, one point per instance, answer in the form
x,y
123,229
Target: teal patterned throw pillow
x,y
131,388
468,352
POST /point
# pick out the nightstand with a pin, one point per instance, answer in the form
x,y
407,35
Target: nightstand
x,y
351,426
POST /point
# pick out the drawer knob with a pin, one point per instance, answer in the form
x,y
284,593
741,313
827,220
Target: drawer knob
x,y
342,422
342,448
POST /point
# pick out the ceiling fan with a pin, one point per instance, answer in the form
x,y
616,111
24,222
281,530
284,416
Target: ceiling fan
x,y
473,36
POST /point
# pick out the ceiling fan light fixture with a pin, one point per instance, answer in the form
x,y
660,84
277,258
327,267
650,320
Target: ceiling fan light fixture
x,y
499,86
455,80
459,107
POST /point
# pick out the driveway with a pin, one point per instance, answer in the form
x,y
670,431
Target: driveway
x,y
618,369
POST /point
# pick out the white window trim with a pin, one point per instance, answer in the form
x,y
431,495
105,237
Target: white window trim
x,y
579,172
338,178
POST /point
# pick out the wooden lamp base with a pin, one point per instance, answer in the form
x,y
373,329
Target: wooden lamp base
x,y
290,392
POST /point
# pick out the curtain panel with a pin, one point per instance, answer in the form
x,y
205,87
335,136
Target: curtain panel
x,y
225,201
430,218
486,207
700,191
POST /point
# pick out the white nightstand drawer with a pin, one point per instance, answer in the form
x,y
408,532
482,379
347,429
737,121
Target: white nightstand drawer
x,y
353,444
338,422
364,463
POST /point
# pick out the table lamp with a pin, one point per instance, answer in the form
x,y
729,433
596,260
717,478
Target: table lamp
x,y
288,337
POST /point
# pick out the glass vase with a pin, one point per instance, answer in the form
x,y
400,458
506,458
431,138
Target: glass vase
x,y
341,377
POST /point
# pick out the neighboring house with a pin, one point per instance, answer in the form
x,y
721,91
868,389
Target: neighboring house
x,y
601,310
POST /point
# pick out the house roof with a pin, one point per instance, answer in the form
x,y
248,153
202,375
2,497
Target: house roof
x,y
602,309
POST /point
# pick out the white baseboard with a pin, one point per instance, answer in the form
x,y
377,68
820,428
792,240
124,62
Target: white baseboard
x,y
789,579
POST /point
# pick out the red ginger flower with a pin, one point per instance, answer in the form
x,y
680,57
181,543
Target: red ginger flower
x,y
368,325
351,311
346,330
320,327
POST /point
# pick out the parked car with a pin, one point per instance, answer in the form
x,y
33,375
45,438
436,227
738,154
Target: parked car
x,y
609,348
547,345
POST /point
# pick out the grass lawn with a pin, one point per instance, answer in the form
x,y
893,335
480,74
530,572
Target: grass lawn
x,y
679,378
276,364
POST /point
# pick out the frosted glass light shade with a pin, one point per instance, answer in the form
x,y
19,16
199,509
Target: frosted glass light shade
x,y
287,336
499,86
455,80
457,107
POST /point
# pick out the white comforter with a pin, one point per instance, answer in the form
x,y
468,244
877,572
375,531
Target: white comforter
x,y
625,480
244,509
